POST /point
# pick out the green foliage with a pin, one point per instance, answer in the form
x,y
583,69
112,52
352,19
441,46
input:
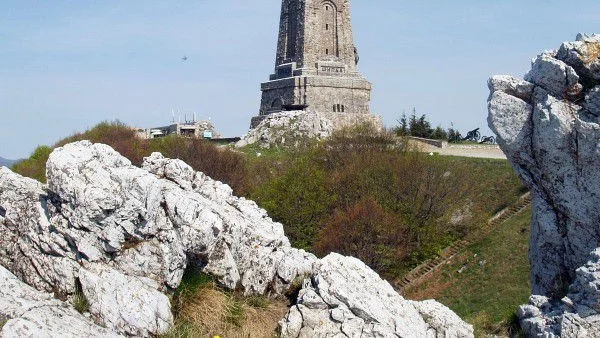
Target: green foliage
x,y
257,302
366,231
234,312
419,126
221,164
3,322
35,165
80,302
299,199
362,194
192,281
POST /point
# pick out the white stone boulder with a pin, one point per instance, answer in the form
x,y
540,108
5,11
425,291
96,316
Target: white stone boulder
x,y
346,298
30,313
548,127
131,305
295,127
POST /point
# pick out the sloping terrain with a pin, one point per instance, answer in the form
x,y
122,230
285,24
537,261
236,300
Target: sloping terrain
x,y
487,282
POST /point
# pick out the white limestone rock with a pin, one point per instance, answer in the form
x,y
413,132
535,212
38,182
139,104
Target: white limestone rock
x,y
576,315
30,246
288,127
552,139
126,234
131,305
555,76
592,100
294,127
137,224
31,313
583,56
346,298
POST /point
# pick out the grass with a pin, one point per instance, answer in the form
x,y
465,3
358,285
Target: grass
x,y
493,282
593,53
202,309
80,302
3,322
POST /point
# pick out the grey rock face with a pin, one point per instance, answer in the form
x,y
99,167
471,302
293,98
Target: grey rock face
x,y
31,313
345,298
548,126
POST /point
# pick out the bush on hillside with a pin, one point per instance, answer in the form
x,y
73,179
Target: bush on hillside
x,y
416,204
365,231
299,198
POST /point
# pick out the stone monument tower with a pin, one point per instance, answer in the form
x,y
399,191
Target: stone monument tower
x,y
316,63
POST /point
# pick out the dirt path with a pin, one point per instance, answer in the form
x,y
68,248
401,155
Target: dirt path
x,y
464,150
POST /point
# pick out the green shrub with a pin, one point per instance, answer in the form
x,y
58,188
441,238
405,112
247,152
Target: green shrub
x,y
34,166
80,302
364,194
299,199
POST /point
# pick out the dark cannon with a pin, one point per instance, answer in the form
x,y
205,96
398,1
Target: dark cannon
x,y
487,140
474,136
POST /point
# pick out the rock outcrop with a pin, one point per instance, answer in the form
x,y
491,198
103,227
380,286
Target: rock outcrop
x,y
122,236
294,127
38,314
548,125
345,298
126,235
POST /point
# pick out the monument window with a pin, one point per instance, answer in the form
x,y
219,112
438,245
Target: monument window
x,y
343,109
327,51
326,26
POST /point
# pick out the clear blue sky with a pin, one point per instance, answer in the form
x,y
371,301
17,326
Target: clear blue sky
x,y
67,65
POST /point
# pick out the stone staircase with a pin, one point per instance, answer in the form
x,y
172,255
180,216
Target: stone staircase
x,y
448,253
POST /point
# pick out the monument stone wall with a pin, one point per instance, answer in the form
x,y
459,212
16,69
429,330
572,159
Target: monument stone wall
x,y
316,62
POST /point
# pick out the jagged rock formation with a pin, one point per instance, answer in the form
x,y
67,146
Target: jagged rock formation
x,y
549,127
124,235
347,299
293,127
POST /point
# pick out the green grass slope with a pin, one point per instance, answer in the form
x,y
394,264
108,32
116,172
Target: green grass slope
x,y
486,283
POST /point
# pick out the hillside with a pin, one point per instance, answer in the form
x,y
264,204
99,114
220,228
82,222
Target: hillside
x,y
360,193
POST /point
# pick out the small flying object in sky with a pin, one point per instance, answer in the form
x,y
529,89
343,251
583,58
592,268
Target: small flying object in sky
x,y
185,58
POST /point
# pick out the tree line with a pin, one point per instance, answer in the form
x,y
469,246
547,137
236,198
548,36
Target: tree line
x,y
419,126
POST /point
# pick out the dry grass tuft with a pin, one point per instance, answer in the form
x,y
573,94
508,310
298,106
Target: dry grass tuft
x,y
593,53
212,312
